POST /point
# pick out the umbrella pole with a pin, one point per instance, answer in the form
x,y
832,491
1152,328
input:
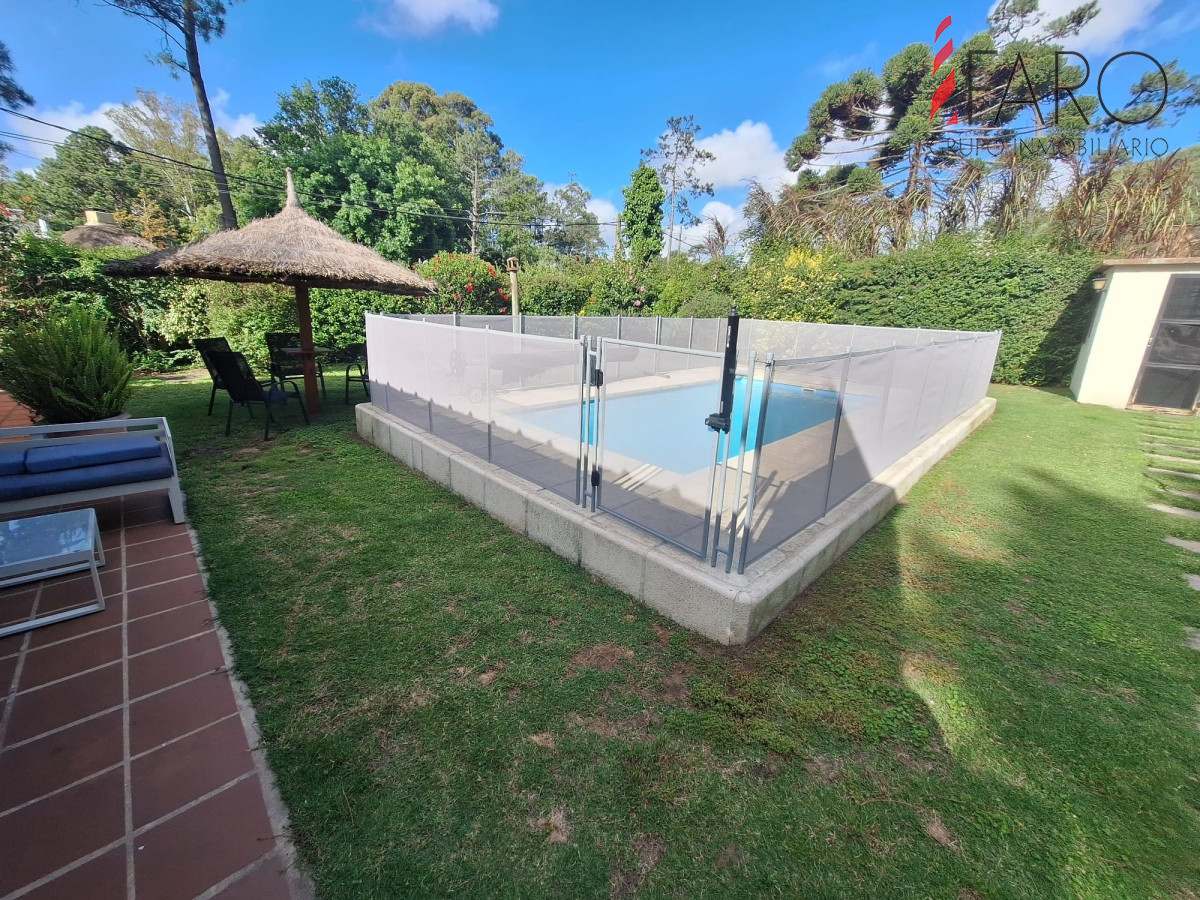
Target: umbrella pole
x,y
307,355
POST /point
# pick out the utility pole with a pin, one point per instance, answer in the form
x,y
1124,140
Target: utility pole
x,y
617,251
513,265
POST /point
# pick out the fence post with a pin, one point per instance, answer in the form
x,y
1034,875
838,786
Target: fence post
x,y
575,326
748,518
521,323
837,424
658,329
456,321
618,326
487,381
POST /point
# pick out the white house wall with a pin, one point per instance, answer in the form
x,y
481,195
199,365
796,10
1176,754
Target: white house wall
x,y
1111,358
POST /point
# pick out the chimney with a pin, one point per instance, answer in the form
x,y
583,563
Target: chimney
x,y
96,217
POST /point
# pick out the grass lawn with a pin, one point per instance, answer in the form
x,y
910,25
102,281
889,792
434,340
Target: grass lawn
x,y
987,697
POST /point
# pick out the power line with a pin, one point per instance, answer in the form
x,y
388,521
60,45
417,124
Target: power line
x,y
125,148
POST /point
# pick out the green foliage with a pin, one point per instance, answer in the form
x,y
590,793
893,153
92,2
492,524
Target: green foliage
x,y
67,368
789,285
244,313
644,199
337,316
577,233
38,276
1040,298
466,284
86,172
553,292
363,185
682,286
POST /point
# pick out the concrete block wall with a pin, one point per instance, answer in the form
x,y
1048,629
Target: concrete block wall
x,y
729,609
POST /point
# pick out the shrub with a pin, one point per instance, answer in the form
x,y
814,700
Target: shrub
x,y
789,284
1041,298
68,368
466,284
40,276
337,316
244,313
553,292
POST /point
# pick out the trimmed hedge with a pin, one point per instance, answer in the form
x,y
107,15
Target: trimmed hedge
x,y
1042,299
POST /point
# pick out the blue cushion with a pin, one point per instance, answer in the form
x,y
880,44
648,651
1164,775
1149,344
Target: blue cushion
x,y
20,487
91,453
12,458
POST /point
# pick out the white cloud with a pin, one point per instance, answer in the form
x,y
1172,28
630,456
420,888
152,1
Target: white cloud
x,y
844,153
72,115
1114,22
834,67
237,126
733,220
419,18
747,152
604,211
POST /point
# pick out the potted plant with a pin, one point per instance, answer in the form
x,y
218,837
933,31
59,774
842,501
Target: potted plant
x,y
67,368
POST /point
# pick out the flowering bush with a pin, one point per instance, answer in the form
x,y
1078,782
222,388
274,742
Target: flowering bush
x,y
466,284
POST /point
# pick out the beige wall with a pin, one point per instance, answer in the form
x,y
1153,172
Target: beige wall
x,y
1112,356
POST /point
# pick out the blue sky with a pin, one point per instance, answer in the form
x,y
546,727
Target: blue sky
x,y
575,87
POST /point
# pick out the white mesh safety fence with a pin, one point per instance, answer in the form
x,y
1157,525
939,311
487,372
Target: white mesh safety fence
x,y
655,452
844,403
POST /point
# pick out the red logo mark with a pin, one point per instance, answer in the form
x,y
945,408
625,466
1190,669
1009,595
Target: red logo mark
x,y
946,88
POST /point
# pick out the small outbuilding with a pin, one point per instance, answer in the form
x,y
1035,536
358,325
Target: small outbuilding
x,y
1143,349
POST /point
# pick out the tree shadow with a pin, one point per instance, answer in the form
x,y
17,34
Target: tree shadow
x,y
987,694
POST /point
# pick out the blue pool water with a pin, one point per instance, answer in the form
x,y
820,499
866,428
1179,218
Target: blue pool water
x,y
666,428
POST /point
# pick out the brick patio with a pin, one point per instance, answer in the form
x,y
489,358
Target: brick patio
x,y
128,766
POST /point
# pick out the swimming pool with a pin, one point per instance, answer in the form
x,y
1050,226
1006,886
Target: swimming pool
x,y
665,428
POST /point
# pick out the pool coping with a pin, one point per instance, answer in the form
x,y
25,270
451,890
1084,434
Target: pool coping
x,y
728,609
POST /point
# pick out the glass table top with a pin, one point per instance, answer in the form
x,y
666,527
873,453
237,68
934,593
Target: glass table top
x,y
23,541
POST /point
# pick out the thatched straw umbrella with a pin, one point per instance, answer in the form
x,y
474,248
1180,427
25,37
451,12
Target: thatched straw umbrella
x,y
288,248
100,236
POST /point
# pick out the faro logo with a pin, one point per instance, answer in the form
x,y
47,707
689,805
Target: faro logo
x,y
947,87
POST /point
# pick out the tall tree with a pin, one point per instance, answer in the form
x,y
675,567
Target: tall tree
x,y
577,231
644,197
391,187
184,23
311,115
441,116
1009,73
168,128
11,94
518,202
453,119
87,171
675,158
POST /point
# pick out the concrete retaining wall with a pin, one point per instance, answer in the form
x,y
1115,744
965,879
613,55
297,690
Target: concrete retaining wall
x,y
729,609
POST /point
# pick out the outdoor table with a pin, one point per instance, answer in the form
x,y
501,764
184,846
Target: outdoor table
x,y
45,546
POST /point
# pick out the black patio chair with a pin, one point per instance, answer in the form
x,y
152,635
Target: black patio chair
x,y
206,346
288,366
356,370
244,389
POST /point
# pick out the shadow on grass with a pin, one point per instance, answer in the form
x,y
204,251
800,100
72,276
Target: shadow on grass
x,y
985,698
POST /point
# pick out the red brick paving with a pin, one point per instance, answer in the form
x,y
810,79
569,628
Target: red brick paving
x,y
125,766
